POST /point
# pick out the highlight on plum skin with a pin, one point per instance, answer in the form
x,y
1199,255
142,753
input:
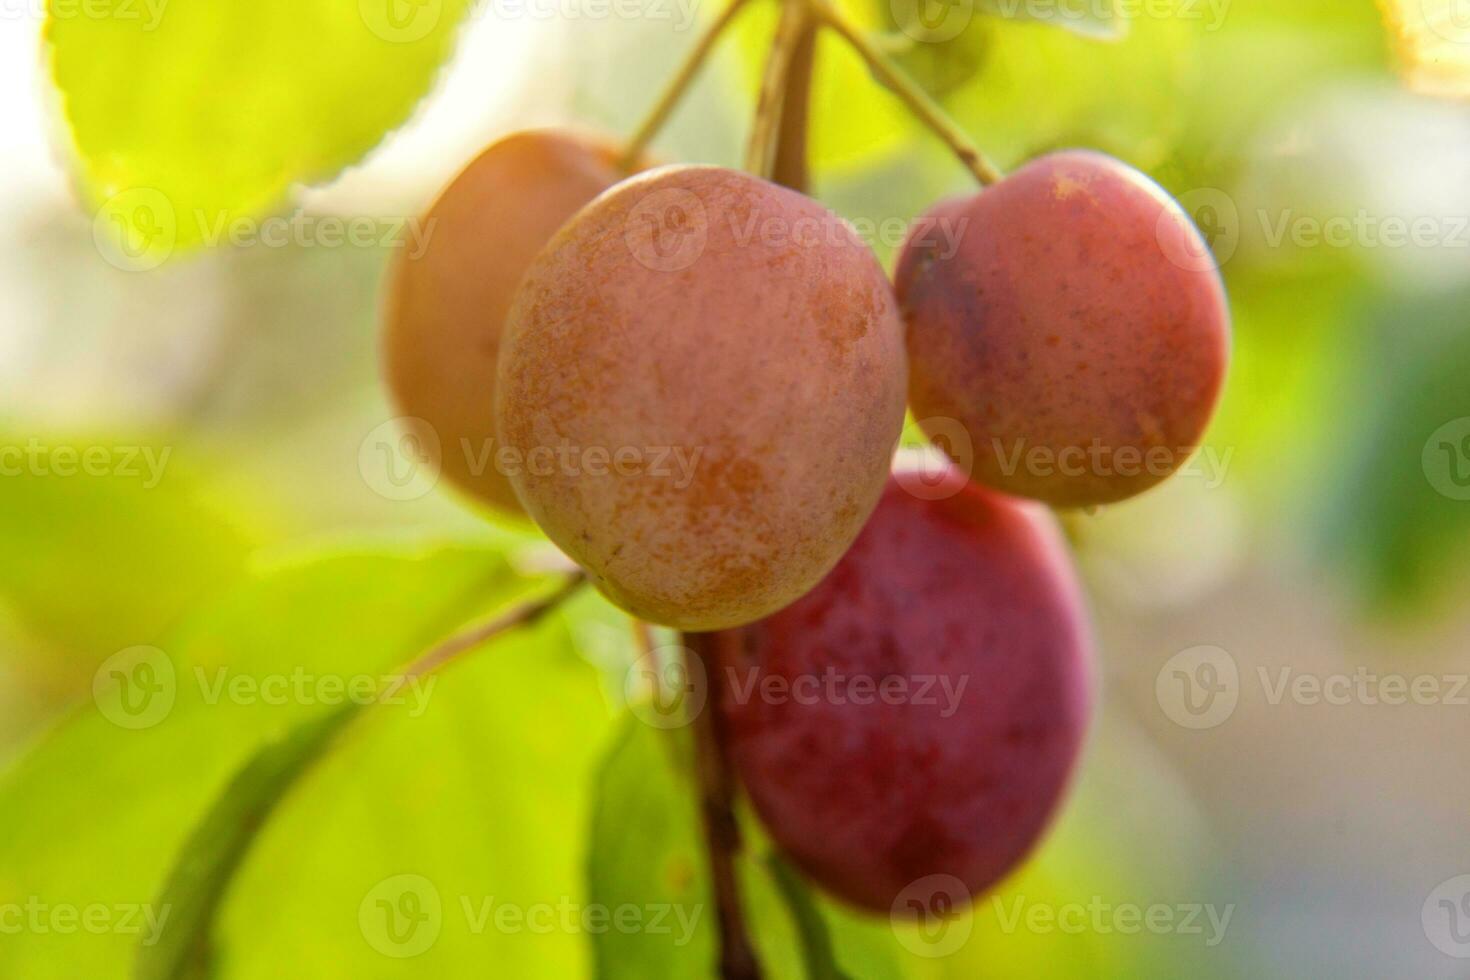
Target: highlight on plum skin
x,y
1078,332
966,610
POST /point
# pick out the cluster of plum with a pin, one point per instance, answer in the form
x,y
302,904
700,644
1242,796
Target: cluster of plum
x,y
598,321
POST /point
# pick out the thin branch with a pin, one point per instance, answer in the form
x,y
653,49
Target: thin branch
x,y
524,614
717,799
760,154
919,102
676,87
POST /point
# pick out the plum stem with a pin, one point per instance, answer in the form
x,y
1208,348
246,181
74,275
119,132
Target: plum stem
x,y
790,167
760,154
918,101
717,801
676,87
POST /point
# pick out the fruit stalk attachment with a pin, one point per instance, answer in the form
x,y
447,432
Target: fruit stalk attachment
x,y
761,154
676,87
717,806
790,167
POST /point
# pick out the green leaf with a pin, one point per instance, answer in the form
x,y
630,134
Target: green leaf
x,y
1041,90
470,816
95,814
109,556
219,844
943,43
186,117
1398,518
816,939
646,851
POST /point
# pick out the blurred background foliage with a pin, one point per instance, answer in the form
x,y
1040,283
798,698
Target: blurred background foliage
x,y
265,546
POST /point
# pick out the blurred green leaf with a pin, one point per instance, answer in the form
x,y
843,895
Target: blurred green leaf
x,y
215,849
816,938
93,815
647,851
102,560
943,43
1399,500
186,117
443,842
1043,90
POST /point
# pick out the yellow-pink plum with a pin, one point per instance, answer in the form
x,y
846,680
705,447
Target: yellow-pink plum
x,y
704,373
446,310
